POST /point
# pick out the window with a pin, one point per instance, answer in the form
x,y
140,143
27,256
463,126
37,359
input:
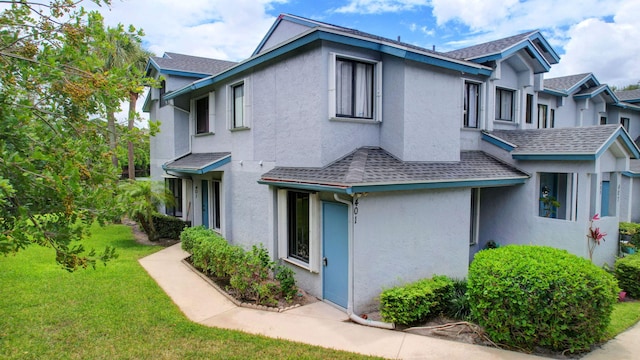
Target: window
x,y
625,122
237,110
552,117
298,222
542,117
216,204
471,104
162,91
529,108
475,216
556,198
355,89
175,187
504,104
202,115
603,120
298,228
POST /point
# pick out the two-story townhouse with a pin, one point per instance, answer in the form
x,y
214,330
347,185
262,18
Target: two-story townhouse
x,y
175,71
628,112
364,162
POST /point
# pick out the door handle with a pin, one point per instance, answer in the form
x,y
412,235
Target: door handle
x,y
324,261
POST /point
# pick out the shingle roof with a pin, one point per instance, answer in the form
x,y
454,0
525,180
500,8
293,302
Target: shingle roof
x,y
375,166
574,140
627,95
565,83
197,162
488,48
188,63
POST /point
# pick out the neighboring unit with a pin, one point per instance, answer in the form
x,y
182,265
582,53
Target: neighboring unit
x,y
364,162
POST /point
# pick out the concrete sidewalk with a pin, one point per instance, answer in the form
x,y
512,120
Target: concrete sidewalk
x,y
323,325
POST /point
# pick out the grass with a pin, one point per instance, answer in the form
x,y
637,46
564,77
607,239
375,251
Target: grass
x,y
624,315
113,312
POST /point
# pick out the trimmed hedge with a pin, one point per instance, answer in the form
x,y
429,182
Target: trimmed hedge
x,y
631,229
536,296
416,301
251,274
168,227
627,270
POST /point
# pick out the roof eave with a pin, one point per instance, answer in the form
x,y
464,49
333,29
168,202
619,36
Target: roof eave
x,y
198,171
334,35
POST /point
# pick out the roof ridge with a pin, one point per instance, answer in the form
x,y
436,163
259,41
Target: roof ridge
x,y
355,174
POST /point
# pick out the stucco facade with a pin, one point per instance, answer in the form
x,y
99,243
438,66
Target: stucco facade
x,y
403,182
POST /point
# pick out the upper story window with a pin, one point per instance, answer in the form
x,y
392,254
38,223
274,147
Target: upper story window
x,y
355,89
603,120
552,117
505,104
238,106
471,104
202,115
529,115
625,122
543,120
162,91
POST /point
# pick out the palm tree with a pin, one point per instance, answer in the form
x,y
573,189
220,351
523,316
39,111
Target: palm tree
x,y
126,53
143,199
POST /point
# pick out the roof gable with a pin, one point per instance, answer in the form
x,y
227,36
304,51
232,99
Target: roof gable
x,y
581,143
532,42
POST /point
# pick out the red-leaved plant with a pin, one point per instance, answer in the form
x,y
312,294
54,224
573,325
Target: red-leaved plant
x,y
594,236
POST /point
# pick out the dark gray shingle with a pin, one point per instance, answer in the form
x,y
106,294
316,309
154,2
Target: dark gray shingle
x,y
372,166
564,83
574,140
196,64
489,48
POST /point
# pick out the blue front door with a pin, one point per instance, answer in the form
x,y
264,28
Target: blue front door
x,y
604,208
205,203
335,252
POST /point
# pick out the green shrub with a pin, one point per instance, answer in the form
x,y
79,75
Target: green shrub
x,y
416,301
251,274
190,236
631,229
627,270
168,227
458,304
536,296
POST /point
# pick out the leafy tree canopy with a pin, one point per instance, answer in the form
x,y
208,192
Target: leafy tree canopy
x,y
56,177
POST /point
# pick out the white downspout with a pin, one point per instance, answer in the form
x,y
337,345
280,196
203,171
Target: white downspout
x,y
355,318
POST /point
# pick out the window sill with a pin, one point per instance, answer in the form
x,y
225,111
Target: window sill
x,y
505,122
243,128
471,129
298,263
204,134
355,120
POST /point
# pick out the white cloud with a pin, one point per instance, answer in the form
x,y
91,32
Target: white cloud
x,y
210,28
380,6
607,49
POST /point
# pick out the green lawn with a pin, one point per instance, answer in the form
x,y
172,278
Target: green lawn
x,y
625,315
113,312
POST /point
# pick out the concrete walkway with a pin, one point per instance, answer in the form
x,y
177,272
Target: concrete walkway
x,y
323,325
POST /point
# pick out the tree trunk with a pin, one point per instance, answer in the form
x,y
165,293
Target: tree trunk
x,y
133,99
111,129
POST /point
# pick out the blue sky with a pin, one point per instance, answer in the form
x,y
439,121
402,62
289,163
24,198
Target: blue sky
x,y
597,36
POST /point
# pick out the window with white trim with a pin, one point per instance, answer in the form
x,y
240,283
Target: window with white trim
x,y
543,121
238,105
237,110
505,104
556,195
625,122
475,216
298,229
471,105
174,185
203,114
355,88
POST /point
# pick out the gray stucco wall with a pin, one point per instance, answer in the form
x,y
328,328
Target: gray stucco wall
x,y
401,237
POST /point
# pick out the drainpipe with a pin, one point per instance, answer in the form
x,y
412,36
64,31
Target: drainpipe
x,y
355,318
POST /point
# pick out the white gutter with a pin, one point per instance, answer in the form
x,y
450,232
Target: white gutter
x,y
355,318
